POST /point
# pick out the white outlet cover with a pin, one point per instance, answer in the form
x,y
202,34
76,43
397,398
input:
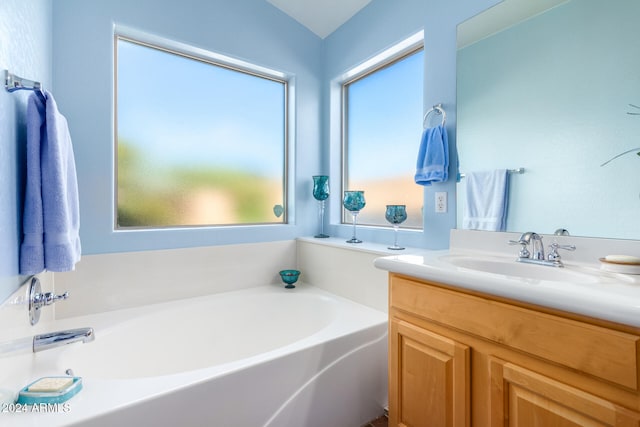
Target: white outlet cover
x,y
441,202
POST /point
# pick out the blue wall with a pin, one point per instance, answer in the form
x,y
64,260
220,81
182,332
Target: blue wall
x,y
380,25
251,30
255,31
25,50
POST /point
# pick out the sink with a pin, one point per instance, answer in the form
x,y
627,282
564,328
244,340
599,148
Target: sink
x,y
509,267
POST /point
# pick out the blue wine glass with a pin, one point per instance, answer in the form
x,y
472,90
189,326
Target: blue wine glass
x,y
354,202
396,215
321,193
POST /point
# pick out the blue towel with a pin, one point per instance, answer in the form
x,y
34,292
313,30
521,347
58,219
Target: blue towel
x,y
433,157
51,217
486,200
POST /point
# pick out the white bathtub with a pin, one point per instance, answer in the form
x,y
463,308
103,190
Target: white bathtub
x,y
260,357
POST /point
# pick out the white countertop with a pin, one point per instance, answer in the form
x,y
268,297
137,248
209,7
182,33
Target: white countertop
x,y
608,296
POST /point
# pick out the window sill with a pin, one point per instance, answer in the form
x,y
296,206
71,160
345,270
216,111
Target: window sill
x,y
373,248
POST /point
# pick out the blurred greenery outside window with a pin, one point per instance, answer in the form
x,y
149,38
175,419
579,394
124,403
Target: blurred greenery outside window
x,y
382,128
198,143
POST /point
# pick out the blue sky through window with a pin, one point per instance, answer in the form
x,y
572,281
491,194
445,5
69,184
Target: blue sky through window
x,y
384,127
184,111
385,120
198,143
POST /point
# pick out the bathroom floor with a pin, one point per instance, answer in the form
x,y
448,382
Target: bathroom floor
x,y
378,422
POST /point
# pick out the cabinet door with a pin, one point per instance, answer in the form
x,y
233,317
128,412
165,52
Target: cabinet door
x,y
428,378
523,398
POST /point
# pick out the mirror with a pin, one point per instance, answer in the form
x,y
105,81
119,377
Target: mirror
x,y
546,86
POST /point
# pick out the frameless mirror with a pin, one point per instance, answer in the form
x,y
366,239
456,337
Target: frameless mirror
x,y
547,86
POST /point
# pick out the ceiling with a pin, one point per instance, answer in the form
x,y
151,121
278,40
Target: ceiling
x,y
322,17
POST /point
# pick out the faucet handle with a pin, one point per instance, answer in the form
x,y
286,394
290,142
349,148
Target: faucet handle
x,y
39,299
524,252
554,255
51,298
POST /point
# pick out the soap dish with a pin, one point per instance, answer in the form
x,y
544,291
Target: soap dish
x,y
50,390
619,266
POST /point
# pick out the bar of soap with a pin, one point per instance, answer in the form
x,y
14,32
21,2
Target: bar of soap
x,y
50,390
50,384
623,259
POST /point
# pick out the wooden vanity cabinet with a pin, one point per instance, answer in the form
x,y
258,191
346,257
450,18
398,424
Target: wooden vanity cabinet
x,y
458,358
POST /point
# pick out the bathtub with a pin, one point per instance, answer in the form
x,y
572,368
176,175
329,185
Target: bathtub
x,y
264,356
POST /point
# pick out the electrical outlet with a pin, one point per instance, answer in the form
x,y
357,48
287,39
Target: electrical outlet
x,y
441,202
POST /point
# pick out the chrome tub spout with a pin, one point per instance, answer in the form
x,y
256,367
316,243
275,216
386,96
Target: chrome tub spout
x,y
57,339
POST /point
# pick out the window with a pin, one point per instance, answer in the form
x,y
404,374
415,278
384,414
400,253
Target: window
x,y
382,126
198,142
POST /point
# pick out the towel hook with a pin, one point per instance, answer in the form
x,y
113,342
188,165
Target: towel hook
x,y
435,109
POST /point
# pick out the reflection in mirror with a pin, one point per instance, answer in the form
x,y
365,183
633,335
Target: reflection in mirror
x,y
550,92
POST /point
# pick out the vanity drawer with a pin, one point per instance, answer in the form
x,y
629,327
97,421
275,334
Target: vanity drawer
x,y
602,352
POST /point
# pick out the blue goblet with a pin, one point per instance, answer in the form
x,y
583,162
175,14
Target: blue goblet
x,y
353,202
321,193
289,277
396,215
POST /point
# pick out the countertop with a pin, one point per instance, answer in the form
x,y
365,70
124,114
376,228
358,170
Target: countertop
x,y
607,296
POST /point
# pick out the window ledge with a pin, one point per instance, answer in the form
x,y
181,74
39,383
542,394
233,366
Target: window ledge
x,y
374,248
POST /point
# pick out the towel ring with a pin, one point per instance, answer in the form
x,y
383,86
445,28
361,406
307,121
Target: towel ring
x,y
435,109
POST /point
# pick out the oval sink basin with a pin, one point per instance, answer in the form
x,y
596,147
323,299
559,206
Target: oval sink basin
x,y
509,267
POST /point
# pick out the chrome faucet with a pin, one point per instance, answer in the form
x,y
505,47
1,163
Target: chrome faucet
x,y
533,239
537,248
60,338
536,255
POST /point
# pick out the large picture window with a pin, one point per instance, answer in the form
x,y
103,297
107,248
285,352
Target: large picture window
x,y
198,143
382,125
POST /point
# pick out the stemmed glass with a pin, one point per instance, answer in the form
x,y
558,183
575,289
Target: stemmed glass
x,y
396,215
321,193
353,202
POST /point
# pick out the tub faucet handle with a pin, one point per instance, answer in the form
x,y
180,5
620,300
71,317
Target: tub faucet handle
x,y
51,298
39,299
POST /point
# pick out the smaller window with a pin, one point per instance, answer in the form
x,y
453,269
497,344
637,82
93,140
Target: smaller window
x,y
382,125
199,143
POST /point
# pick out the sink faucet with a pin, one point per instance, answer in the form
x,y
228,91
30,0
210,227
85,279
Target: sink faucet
x,y
533,239
536,255
537,248
57,339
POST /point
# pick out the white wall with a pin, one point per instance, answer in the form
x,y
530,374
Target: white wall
x,y
106,282
346,271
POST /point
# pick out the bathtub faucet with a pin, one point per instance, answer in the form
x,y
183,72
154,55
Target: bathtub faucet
x,y
57,339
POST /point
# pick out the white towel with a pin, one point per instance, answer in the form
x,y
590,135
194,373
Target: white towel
x,y
51,217
486,201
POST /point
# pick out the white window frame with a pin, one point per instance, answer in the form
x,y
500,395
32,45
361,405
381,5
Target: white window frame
x,y
337,113
215,59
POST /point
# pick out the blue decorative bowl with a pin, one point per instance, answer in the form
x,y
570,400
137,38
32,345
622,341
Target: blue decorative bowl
x,y
289,277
